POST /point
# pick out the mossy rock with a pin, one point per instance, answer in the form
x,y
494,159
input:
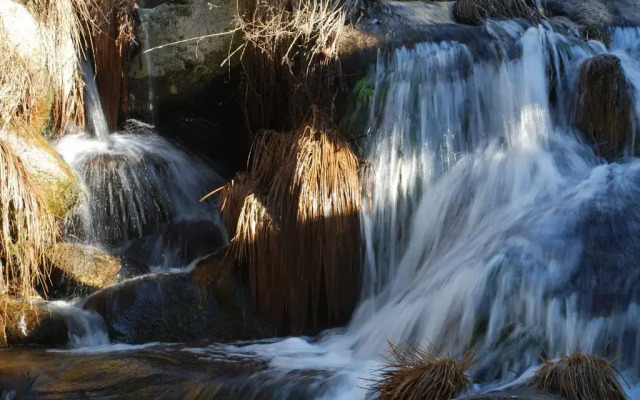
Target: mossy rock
x,y
26,323
52,177
78,270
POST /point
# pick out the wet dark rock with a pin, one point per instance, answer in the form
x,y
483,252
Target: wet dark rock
x,y
604,106
208,303
175,245
596,12
519,394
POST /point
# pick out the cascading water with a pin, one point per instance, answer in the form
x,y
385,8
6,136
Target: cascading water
x,y
96,120
143,14
138,186
491,225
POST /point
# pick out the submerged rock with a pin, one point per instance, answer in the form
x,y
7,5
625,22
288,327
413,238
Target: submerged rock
x,y
78,270
176,245
208,303
520,394
604,107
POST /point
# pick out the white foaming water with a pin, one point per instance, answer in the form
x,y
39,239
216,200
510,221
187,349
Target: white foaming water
x,y
492,225
96,119
85,328
143,14
136,182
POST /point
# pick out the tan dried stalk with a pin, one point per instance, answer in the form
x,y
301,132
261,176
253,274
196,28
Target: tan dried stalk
x,y
416,373
579,377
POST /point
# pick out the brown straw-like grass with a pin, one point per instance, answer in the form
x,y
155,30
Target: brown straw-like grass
x,y
56,73
110,34
579,377
605,109
416,373
475,12
290,58
26,228
294,218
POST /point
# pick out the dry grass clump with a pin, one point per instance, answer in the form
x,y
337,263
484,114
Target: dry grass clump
x,y
111,37
291,55
604,109
475,12
61,35
294,218
26,228
414,373
579,377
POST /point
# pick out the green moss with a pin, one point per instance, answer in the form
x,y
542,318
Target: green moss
x,y
364,90
58,188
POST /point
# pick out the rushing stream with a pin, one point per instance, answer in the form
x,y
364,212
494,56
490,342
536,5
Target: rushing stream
x,y
491,225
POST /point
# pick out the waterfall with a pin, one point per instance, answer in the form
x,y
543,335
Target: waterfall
x,y
142,192
137,183
498,221
142,13
492,224
96,120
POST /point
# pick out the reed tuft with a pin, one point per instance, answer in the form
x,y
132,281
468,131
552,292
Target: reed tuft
x,y
416,373
26,228
475,12
291,54
110,38
579,377
294,218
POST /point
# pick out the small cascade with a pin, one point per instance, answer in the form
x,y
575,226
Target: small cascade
x,y
96,120
142,192
146,45
85,328
137,182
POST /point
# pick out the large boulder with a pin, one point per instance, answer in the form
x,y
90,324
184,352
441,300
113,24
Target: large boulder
x,y
30,42
188,43
52,178
78,270
208,303
605,107
176,245
596,12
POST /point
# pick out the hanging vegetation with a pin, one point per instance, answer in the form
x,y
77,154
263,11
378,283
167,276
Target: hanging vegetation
x,y
48,81
475,12
414,373
110,35
604,105
291,57
295,223
579,377
26,228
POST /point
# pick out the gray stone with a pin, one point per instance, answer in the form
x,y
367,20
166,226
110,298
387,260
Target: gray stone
x,y
597,12
188,45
